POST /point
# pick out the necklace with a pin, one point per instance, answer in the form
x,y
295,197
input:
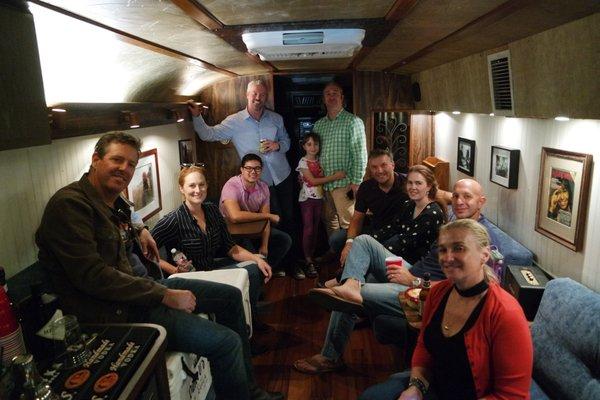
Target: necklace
x,y
472,291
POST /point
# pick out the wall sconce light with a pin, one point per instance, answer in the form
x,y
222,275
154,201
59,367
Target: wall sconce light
x,y
131,118
174,114
58,118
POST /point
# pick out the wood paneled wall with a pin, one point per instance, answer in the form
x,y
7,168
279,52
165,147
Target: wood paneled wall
x,y
224,98
30,176
514,209
382,92
422,142
554,73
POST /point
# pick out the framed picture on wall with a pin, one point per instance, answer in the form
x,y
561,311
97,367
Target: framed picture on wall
x,y
466,156
144,189
563,195
186,151
504,167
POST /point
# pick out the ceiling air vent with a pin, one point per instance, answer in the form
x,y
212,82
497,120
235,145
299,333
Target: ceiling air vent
x,y
501,83
304,45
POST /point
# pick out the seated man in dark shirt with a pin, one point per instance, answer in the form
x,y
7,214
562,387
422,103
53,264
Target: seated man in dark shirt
x,y
381,196
87,243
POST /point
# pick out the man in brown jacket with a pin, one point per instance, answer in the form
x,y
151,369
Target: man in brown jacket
x,y
91,250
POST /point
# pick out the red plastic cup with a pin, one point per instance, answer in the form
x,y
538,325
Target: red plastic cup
x,y
8,321
394,260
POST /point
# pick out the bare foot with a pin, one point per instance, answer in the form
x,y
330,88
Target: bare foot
x,y
331,283
350,291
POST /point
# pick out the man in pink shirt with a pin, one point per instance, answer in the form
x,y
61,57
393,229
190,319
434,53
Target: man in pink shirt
x,y
245,198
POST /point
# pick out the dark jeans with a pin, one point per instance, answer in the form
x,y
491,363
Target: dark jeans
x,y
255,278
311,216
283,203
391,389
279,245
224,342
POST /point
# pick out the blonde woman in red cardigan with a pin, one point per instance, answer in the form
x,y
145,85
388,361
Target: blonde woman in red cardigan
x,y
474,342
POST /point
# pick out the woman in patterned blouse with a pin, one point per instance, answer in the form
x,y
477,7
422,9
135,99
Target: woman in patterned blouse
x,y
415,228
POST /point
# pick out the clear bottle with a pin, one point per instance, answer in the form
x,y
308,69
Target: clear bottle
x,y
425,287
29,382
181,261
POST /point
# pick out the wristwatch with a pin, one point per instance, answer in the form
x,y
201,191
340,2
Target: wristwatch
x,y
416,382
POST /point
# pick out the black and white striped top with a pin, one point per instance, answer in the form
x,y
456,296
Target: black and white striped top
x,y
178,229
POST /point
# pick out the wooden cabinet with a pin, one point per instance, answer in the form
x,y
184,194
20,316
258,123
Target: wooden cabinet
x,y
441,170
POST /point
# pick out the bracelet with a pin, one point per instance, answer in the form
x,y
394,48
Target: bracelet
x,y
416,382
349,240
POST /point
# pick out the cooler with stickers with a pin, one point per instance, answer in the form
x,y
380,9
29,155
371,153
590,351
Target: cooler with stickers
x,y
189,375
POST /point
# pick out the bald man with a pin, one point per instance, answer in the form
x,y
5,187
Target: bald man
x,y
377,296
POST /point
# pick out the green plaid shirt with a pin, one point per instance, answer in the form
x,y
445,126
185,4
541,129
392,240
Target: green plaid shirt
x,y
343,148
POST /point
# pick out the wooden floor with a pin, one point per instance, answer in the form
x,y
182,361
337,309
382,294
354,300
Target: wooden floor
x,y
299,329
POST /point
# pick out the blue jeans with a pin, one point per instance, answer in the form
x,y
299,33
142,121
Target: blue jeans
x,y
365,263
224,342
392,388
255,278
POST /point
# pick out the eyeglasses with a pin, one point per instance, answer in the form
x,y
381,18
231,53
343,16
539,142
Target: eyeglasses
x,y
188,165
255,169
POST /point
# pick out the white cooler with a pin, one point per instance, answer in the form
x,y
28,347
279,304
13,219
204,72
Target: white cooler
x,y
189,375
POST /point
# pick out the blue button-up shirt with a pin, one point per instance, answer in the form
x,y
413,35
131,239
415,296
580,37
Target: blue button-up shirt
x,y
245,132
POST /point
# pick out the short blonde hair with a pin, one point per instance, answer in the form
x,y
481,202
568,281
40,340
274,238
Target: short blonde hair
x,y
256,82
479,233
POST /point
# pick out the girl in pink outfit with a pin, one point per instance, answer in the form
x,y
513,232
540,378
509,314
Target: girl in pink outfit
x,y
311,197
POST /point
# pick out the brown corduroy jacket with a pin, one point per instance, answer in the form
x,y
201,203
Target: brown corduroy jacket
x,y
81,249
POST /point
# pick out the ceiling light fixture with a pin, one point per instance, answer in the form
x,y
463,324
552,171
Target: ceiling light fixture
x,y
561,118
492,114
456,112
131,118
174,114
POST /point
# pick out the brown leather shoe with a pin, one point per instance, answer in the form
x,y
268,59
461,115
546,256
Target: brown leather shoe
x,y
318,364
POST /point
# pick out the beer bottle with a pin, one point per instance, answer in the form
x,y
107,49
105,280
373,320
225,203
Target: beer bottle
x,y
426,286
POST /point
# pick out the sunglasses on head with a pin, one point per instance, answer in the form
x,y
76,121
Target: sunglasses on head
x,y
188,165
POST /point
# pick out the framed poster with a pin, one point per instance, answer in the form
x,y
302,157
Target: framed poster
x,y
466,156
186,151
504,167
144,189
563,195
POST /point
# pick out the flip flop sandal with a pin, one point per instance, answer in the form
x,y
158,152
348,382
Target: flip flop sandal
x,y
313,366
327,299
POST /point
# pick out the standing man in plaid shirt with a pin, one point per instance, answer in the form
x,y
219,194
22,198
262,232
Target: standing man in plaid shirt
x,y
343,148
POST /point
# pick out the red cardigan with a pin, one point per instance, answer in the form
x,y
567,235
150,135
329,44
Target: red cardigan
x,y
498,345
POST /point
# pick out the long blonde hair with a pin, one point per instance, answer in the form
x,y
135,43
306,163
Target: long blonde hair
x,y
481,236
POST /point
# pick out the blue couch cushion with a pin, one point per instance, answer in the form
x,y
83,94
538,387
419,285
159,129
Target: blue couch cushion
x,y
514,252
566,341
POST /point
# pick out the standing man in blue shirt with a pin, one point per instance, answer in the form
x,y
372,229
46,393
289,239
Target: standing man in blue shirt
x,y
258,130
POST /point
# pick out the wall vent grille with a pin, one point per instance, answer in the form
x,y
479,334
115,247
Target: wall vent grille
x,y
501,83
